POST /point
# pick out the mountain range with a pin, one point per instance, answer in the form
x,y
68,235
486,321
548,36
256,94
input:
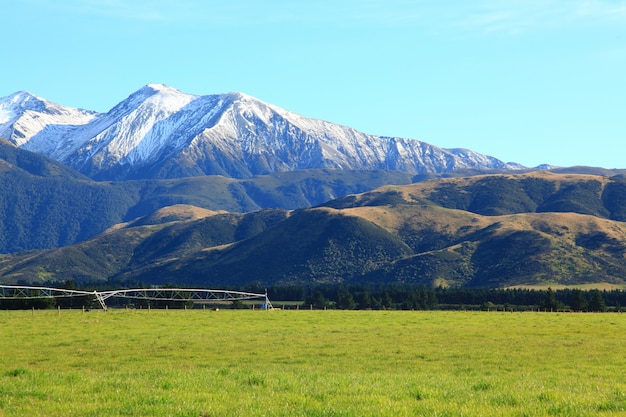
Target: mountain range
x,y
44,204
225,190
498,230
160,132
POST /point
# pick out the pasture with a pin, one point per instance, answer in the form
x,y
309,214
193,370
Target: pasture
x,y
311,363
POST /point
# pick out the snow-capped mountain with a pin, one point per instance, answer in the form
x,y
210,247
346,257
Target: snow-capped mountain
x,y
160,132
25,117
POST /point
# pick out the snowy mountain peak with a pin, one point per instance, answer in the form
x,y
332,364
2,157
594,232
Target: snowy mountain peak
x,y
23,116
160,89
21,99
12,106
239,96
159,131
153,94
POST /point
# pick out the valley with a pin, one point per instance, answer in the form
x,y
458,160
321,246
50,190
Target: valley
x,y
226,190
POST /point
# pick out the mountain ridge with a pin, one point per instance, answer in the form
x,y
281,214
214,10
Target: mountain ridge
x,y
162,132
567,230
24,116
141,192
45,204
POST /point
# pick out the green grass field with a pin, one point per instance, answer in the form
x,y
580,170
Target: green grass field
x,y
311,363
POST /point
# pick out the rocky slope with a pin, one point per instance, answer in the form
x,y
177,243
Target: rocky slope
x,y
160,132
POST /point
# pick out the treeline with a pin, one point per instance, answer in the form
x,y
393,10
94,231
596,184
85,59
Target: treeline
x,y
365,297
411,297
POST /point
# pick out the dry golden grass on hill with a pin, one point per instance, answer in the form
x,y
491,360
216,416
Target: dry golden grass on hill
x,y
184,212
424,189
535,228
417,217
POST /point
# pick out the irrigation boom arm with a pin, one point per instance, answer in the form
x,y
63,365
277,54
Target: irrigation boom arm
x,y
161,294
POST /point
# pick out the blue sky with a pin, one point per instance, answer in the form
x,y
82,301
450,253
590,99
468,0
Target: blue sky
x,y
530,81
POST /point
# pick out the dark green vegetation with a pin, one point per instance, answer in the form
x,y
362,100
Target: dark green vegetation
x,y
494,195
354,297
534,229
407,297
44,204
311,363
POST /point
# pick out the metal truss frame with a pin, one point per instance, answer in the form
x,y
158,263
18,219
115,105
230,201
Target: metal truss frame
x,y
150,294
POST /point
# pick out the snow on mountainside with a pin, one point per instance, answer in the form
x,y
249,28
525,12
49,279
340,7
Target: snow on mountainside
x,y
132,131
161,132
24,116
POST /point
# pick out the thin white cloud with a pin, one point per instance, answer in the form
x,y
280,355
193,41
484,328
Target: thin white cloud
x,y
602,9
488,16
389,13
522,16
333,12
139,10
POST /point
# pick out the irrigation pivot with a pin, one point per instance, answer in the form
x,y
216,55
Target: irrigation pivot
x,y
148,294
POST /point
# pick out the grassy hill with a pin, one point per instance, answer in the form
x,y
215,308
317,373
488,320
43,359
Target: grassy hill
x,y
487,231
169,234
322,244
13,159
493,195
44,204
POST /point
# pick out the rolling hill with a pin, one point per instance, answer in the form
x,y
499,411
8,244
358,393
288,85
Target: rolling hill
x,y
44,204
496,230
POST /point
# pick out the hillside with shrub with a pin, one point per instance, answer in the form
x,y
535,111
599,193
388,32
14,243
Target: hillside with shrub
x,y
44,204
534,229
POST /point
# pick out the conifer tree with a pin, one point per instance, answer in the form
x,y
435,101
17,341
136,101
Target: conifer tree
x,y
345,301
549,302
596,302
579,303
